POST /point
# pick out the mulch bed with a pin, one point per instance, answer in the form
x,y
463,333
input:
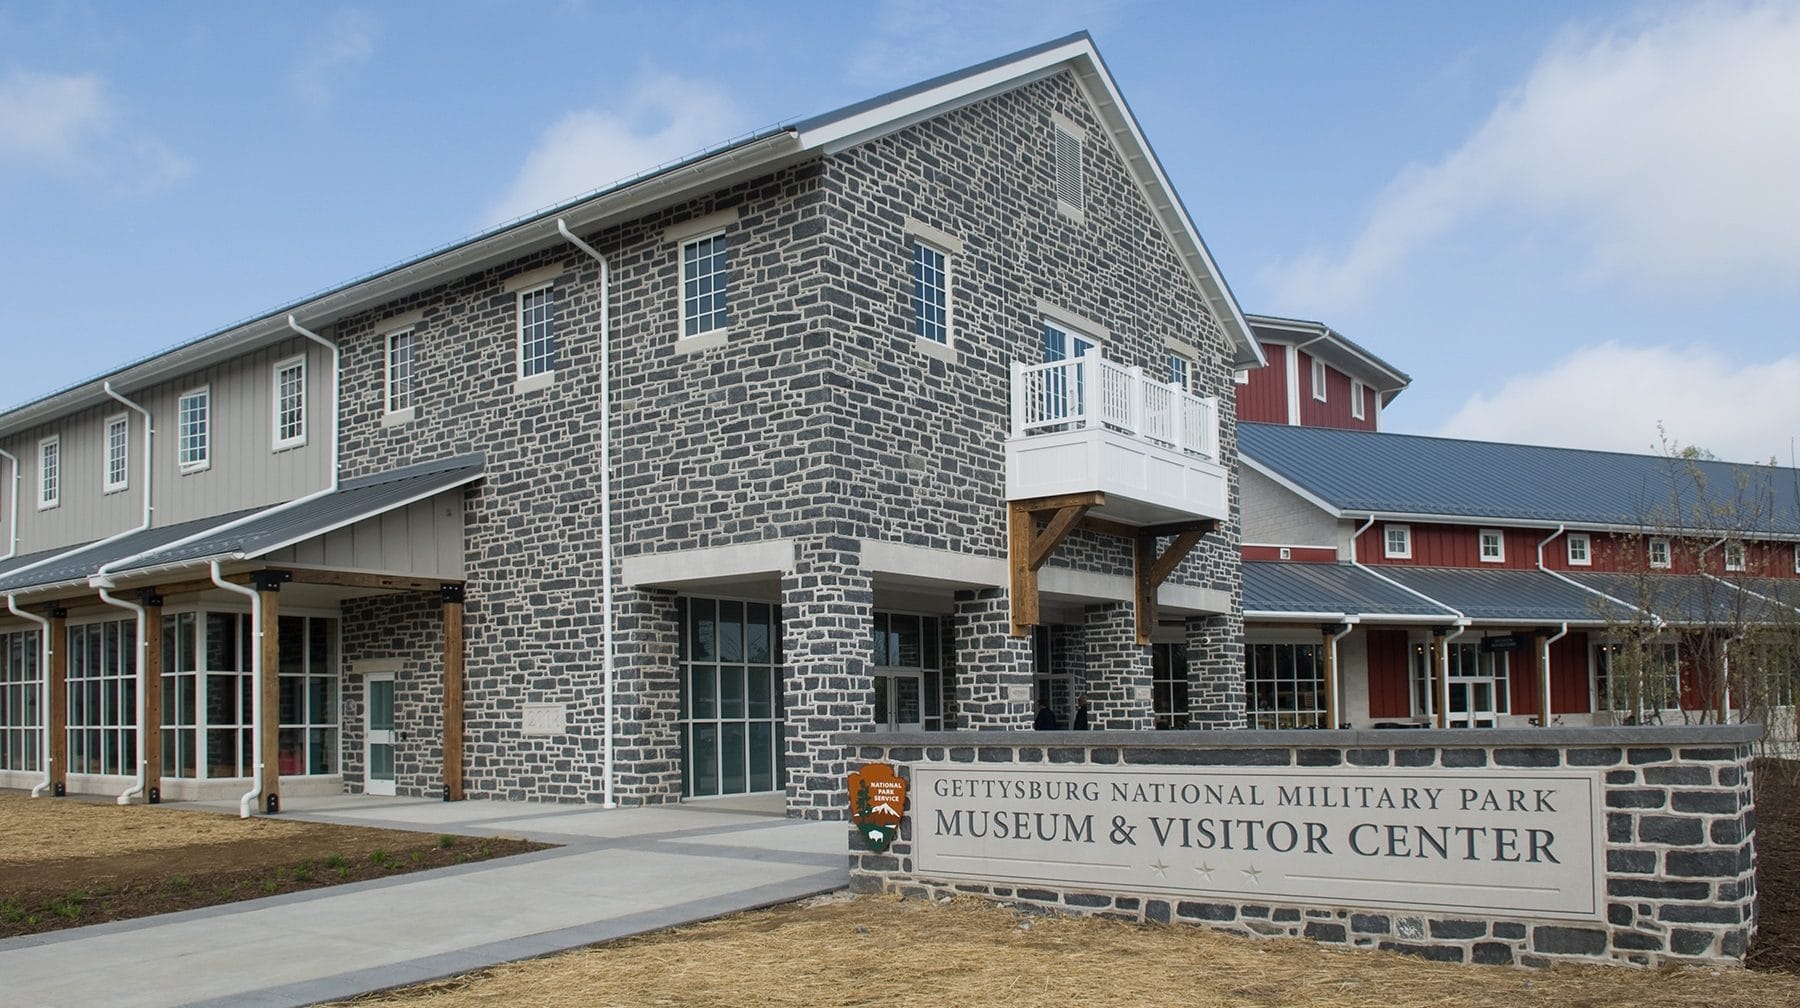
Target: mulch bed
x,y
48,893
1777,944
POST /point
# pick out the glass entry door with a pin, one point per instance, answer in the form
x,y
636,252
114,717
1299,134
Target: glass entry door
x,y
379,733
899,702
1477,687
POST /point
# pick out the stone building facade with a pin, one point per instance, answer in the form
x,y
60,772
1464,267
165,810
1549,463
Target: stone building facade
x,y
813,469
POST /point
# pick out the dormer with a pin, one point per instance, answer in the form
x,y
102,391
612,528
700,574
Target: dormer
x,y
1315,378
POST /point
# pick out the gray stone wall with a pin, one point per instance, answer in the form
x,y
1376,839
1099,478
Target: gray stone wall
x,y
1679,847
817,420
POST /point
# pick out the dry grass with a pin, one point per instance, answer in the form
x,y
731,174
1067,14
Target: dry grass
x,y
893,953
37,830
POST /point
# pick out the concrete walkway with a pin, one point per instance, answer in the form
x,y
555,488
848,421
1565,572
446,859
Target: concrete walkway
x,y
620,872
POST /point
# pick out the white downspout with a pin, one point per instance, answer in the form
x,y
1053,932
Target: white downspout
x,y
102,578
1544,674
250,797
143,700
1337,674
143,774
606,537
1655,620
12,509
12,603
1440,694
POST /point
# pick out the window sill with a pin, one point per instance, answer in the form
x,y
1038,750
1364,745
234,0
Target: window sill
x,y
532,383
712,339
53,505
945,352
198,467
281,446
399,417
109,491
1493,560
1071,211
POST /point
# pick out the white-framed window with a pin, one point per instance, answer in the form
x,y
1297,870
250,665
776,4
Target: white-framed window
x,y
537,331
1580,550
50,472
1071,189
398,383
704,293
1639,678
21,692
1493,546
1064,397
117,474
1797,558
102,697
1284,685
1659,554
193,430
290,403
1734,556
931,293
1318,379
1396,542
1181,371
1241,376
1169,685
1356,399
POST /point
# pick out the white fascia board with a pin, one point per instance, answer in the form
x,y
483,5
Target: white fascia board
x,y
539,232
1289,485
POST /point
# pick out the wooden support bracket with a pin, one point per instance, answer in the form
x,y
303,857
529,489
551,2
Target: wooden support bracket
x,y
1151,569
1029,549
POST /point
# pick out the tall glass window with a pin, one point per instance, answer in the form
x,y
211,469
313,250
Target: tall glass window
x,y
21,693
1169,685
731,697
703,288
118,454
309,695
1284,685
537,331
400,351
193,429
931,294
290,403
180,696
227,703
102,693
909,675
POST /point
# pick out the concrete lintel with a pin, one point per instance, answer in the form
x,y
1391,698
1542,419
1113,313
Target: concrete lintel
x,y
924,564
677,567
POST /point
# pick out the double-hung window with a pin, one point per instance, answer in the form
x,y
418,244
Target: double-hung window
x,y
1580,550
1493,546
1181,372
1318,379
931,293
118,454
290,403
49,472
537,331
193,430
1396,542
1659,554
704,290
1734,557
400,370
1357,410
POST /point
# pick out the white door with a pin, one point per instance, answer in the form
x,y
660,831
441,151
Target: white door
x,y
378,734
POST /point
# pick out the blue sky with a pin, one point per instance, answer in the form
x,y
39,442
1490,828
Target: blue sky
x,y
1569,222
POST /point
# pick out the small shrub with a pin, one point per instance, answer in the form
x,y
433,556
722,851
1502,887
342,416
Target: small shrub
x,y
271,886
180,883
336,861
304,873
380,857
446,841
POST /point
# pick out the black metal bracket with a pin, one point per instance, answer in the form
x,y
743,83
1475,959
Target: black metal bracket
x,y
271,580
451,591
149,597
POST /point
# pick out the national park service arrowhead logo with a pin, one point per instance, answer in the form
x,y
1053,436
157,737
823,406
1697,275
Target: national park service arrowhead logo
x,y
877,801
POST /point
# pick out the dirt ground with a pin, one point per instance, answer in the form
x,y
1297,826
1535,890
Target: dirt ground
x,y
906,954
68,862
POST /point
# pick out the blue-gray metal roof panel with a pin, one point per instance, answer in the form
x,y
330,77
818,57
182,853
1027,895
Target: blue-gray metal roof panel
x,y
79,563
1362,471
1686,599
1329,588
1521,596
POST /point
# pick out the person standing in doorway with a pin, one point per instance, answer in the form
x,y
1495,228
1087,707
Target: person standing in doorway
x,y
1081,713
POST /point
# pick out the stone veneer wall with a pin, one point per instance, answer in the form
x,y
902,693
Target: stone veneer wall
x,y
1679,844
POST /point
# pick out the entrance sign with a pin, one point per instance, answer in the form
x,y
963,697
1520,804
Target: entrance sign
x,y
877,802
1497,841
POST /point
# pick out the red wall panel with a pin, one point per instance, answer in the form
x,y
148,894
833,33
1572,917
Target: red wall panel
x,y
1390,681
1335,410
1264,399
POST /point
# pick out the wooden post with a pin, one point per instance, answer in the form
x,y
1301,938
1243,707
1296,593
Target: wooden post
x,y
453,691
268,745
1024,579
151,701
1331,677
58,725
1434,677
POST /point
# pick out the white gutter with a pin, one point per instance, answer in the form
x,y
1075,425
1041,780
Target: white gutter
x,y
102,578
1544,674
143,648
248,800
1655,620
1337,677
606,537
12,603
12,509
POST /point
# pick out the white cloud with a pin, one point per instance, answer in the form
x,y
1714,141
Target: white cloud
x,y
51,117
69,124
1668,147
348,44
662,118
1613,397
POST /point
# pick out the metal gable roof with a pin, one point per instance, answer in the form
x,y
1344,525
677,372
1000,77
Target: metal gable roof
x,y
252,532
1511,596
1689,599
1275,588
1359,472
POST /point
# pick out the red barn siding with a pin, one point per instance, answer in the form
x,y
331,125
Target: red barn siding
x,y
1296,554
1569,693
1390,680
1264,399
1335,410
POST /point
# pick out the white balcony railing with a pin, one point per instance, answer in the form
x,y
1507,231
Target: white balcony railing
x,y
1091,391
